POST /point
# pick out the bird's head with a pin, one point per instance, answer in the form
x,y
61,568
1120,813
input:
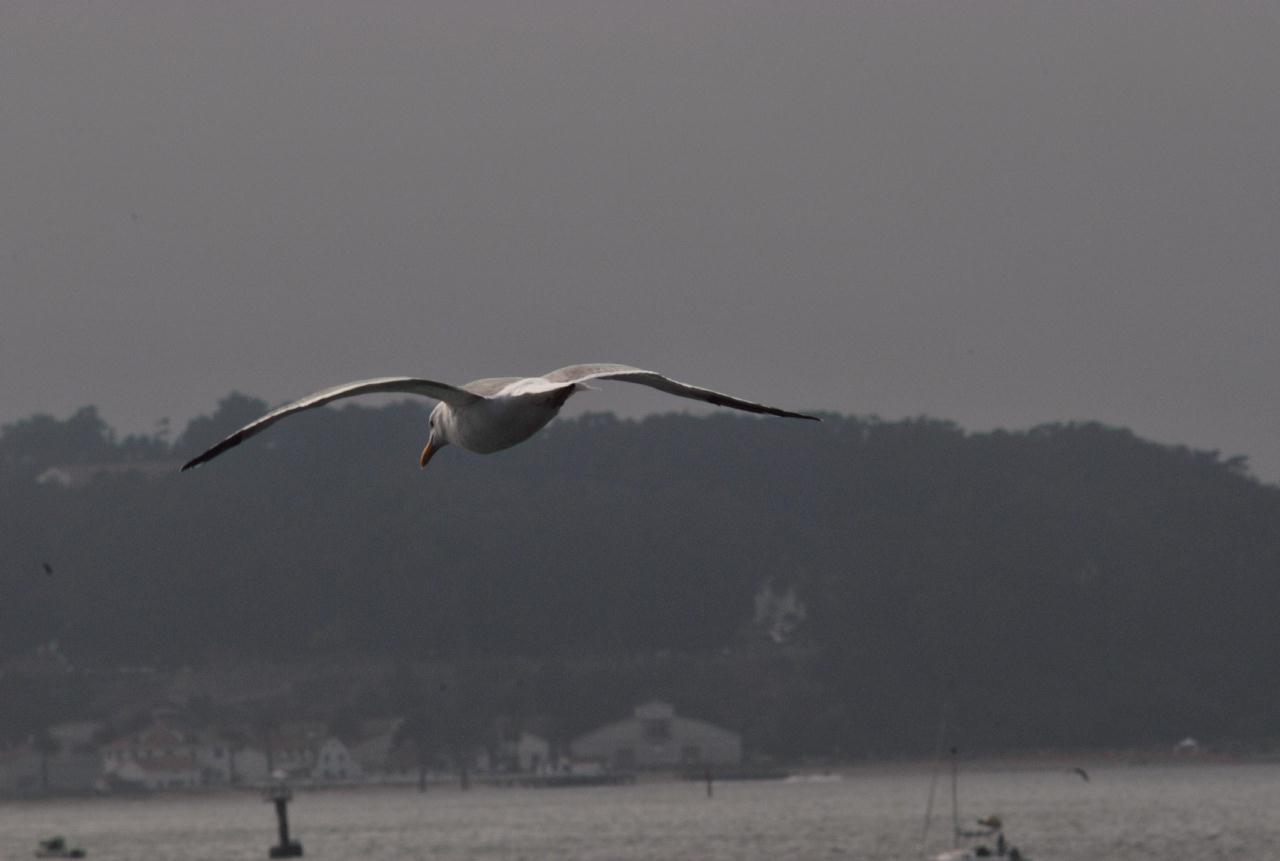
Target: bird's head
x,y
441,423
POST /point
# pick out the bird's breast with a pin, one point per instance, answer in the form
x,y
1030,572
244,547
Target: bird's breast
x,y
503,421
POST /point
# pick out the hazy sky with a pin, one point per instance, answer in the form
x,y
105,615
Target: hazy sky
x,y
998,213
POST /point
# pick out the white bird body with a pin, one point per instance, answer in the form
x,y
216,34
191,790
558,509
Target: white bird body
x,y
491,414
515,413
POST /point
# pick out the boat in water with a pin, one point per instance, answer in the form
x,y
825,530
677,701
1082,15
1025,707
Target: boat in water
x,y
971,844
57,847
993,827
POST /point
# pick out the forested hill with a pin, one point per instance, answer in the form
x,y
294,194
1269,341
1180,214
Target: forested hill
x,y
1065,584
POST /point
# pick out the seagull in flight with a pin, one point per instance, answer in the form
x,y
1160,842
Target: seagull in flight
x,y
491,414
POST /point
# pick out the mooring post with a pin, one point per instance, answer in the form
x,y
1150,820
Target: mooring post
x,y
280,795
282,818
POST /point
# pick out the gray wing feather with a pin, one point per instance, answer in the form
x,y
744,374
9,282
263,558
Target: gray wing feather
x,y
489,386
628,374
410,385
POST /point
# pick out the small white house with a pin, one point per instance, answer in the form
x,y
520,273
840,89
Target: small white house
x,y
533,752
334,762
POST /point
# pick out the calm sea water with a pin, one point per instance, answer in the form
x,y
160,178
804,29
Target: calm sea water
x,y
1124,814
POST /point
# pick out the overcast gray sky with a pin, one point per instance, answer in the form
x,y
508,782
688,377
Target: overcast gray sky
x,y
998,213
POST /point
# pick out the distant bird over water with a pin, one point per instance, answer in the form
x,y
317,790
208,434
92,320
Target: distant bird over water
x,y
492,414
47,568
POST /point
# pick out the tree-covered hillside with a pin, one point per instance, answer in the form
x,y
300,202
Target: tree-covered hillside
x,y
1066,585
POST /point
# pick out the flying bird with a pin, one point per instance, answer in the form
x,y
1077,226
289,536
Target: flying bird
x,y
48,569
1083,774
489,415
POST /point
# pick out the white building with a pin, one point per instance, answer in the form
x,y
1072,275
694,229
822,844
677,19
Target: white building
x,y
292,749
333,762
159,757
655,737
517,752
533,753
222,758
161,773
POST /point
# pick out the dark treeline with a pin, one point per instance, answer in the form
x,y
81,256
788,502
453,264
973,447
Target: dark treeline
x,y
1066,586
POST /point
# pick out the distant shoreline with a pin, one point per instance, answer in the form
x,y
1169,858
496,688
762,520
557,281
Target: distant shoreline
x,y
851,770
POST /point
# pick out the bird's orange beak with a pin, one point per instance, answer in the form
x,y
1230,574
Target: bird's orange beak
x,y
427,452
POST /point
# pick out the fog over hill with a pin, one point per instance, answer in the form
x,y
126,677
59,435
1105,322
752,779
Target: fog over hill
x,y
826,587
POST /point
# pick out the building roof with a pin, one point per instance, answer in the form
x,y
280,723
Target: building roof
x,y
156,734
654,709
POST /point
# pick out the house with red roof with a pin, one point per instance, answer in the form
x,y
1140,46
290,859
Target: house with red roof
x,y
156,757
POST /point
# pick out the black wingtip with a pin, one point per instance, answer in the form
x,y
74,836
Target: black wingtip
x,y
786,414
209,454
203,457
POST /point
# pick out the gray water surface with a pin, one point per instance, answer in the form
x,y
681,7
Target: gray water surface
x,y
1123,814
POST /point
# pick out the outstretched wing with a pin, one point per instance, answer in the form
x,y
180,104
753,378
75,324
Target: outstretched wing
x,y
628,374
451,395
489,386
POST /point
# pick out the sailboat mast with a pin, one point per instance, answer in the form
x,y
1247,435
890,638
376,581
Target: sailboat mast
x,y
933,782
955,795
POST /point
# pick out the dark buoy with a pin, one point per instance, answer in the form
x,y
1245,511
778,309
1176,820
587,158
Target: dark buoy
x,y
281,795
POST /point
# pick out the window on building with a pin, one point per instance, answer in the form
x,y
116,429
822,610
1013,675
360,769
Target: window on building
x,y
656,729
